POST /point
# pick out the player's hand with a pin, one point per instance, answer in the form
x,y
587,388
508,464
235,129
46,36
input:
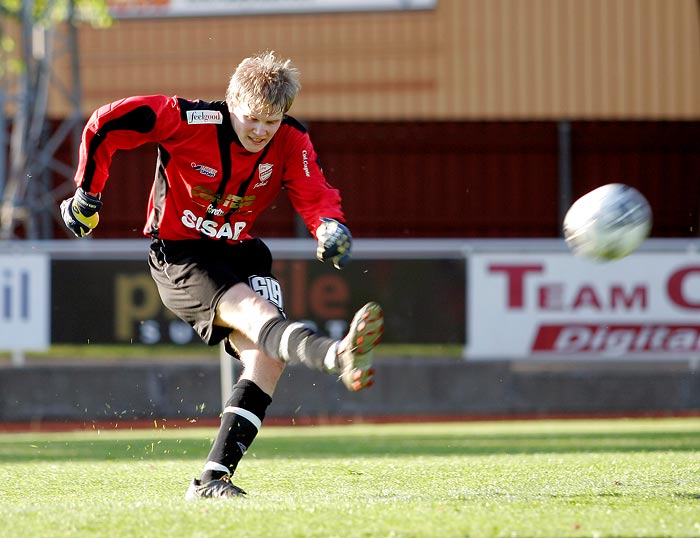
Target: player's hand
x,y
80,212
334,242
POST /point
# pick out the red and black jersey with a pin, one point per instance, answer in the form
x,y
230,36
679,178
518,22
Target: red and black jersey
x,y
207,185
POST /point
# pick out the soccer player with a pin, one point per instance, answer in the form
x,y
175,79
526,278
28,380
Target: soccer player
x,y
220,164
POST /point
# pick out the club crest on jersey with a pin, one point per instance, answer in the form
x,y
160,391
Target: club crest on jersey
x,y
199,117
264,173
204,170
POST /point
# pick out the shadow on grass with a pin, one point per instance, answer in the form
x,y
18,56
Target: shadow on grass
x,y
165,446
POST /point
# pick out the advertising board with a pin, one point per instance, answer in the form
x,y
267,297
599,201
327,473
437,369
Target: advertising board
x,y
117,302
554,305
24,312
198,8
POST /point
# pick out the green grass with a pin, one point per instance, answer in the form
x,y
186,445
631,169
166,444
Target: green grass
x,y
612,478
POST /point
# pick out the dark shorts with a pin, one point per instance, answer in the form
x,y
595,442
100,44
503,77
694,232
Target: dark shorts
x,y
192,276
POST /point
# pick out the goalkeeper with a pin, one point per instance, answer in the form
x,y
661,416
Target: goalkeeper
x,y
219,165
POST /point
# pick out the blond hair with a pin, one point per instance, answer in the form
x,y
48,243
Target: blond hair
x,y
265,83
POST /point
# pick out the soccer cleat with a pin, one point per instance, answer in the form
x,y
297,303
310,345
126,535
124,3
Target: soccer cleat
x,y
355,350
221,488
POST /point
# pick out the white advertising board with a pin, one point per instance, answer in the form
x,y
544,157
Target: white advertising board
x,y
199,8
24,302
555,305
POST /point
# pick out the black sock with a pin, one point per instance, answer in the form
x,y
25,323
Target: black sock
x,y
294,343
240,423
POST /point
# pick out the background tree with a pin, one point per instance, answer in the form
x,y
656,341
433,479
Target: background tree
x,y
29,31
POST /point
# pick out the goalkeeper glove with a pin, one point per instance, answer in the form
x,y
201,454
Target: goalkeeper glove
x,y
334,242
80,212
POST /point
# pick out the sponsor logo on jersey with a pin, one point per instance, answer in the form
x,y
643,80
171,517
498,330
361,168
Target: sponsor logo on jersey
x,y
205,170
228,201
211,228
216,211
305,159
200,117
264,173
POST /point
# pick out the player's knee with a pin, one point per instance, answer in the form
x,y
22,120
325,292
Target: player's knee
x,y
245,313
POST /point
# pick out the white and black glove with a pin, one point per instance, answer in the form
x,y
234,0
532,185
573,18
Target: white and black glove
x,y
80,212
334,242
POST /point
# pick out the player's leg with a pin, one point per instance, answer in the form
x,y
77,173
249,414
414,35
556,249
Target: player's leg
x,y
246,311
210,286
190,279
217,288
241,421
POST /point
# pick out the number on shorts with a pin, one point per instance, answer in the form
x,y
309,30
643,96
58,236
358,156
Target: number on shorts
x,y
268,288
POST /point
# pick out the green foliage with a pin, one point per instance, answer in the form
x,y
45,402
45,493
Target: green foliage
x,y
49,12
488,479
44,13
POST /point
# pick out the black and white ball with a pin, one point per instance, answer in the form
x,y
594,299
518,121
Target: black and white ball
x,y
608,223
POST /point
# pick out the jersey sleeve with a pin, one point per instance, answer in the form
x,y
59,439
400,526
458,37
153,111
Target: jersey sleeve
x,y
122,125
310,193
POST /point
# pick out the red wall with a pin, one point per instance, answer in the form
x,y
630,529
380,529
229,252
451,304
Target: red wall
x,y
661,159
462,179
443,179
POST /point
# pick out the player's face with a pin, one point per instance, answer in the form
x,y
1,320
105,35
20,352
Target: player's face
x,y
254,129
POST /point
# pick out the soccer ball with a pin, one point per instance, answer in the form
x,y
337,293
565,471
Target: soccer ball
x,y
608,223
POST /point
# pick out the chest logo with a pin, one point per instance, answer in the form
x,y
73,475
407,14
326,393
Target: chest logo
x,y
199,117
264,173
204,170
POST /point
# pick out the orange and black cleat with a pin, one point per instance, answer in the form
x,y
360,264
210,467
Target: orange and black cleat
x,y
355,350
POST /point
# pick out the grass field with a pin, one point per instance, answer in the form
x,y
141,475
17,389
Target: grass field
x,y
603,478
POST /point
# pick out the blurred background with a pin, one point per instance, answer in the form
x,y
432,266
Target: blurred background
x,y
458,131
